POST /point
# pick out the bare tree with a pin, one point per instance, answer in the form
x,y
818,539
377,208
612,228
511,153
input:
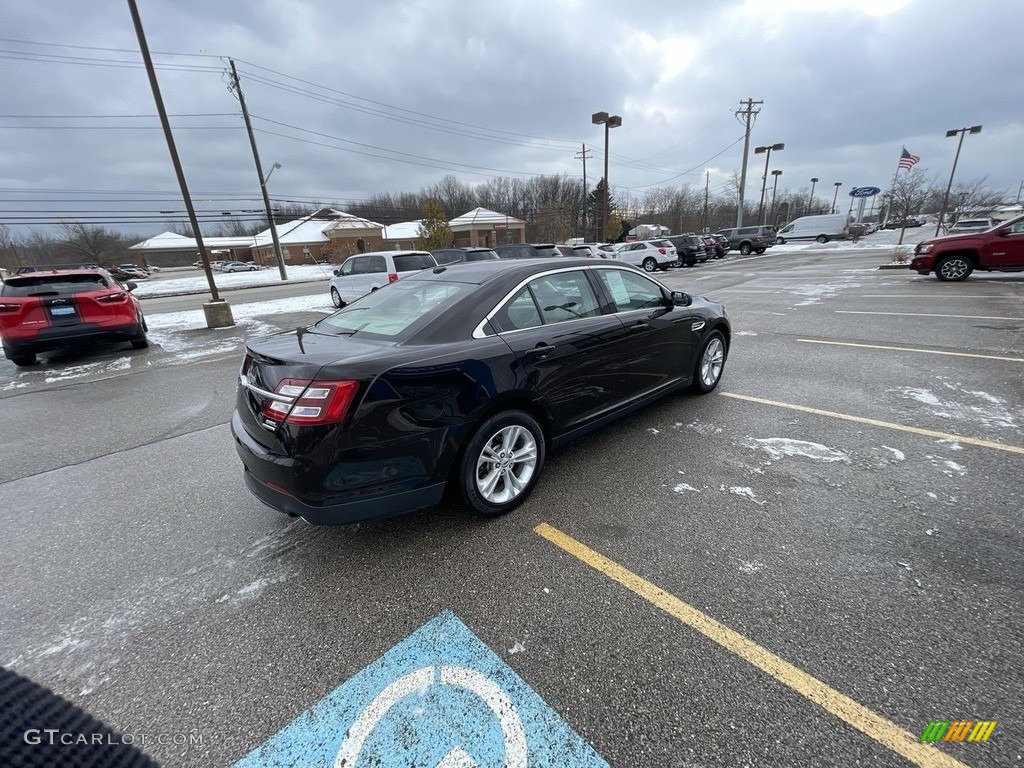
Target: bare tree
x,y
909,193
92,243
972,198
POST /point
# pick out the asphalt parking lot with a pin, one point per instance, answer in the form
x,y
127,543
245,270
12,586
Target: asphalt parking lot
x,y
805,567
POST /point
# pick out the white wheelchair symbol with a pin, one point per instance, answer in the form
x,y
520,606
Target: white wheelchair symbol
x,y
513,735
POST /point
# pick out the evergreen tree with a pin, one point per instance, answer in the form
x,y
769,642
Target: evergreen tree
x,y
434,231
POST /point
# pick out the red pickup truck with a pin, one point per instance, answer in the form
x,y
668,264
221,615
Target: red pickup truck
x,y
999,249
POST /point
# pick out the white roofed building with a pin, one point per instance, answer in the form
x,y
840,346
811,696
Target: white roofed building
x,y
481,227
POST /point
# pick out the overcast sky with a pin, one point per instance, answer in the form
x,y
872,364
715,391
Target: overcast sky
x,y
355,99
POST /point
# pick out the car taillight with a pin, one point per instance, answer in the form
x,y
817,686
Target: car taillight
x,y
113,298
392,277
311,402
661,251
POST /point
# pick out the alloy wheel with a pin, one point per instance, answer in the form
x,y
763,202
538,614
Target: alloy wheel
x,y
506,464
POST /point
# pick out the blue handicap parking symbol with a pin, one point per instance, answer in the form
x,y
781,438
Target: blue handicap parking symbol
x,y
438,699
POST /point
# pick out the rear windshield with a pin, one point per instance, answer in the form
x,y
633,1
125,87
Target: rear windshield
x,y
411,262
546,252
51,285
449,256
481,256
393,312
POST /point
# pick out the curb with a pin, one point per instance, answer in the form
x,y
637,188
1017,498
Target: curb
x,y
894,266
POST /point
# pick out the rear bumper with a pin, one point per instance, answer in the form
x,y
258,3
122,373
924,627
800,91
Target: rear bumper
x,y
392,485
52,337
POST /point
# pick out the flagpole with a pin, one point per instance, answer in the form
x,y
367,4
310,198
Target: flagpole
x,y
892,188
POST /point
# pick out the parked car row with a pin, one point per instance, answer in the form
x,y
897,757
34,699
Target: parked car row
x,y
229,266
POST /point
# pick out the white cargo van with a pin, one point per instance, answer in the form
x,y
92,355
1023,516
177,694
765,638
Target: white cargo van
x,y
830,226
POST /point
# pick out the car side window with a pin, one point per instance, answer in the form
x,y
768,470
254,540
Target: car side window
x,y
631,291
564,296
359,265
517,313
378,264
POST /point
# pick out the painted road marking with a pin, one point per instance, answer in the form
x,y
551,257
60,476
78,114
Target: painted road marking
x,y
439,699
879,423
912,349
931,296
883,731
922,314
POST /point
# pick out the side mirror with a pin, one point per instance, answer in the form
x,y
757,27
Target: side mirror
x,y
337,272
131,285
681,299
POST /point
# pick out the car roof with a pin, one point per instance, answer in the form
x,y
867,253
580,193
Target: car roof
x,y
390,253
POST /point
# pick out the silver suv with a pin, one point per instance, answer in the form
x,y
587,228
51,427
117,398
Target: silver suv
x,y
750,239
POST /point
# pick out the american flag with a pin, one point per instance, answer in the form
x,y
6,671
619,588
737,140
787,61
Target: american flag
x,y
908,160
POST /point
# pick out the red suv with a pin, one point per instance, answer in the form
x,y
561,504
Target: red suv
x,y
999,249
48,309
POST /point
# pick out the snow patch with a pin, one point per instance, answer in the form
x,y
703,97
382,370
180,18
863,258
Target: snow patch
x,y
897,454
779,447
745,493
685,488
517,648
744,333
751,566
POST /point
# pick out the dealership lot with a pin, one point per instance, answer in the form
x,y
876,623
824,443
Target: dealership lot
x,y
849,501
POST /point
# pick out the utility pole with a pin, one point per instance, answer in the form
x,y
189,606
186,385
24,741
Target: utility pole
x,y
748,114
582,155
707,190
237,88
217,311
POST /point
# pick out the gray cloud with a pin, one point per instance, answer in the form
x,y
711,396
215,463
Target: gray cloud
x,y
513,85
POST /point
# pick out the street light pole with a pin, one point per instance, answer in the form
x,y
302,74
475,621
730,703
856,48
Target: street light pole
x,y
836,196
775,186
810,205
767,151
609,122
945,198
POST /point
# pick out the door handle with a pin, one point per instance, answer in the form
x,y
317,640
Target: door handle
x,y
639,326
541,350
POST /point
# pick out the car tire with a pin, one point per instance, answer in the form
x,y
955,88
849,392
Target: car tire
x,y
22,359
759,251
954,268
822,238
707,371
649,264
745,249
492,483
780,241
336,298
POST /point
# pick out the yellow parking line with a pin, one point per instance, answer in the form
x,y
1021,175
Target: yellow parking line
x,y
878,728
923,314
912,349
886,424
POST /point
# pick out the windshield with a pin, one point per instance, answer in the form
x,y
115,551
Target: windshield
x,y
393,312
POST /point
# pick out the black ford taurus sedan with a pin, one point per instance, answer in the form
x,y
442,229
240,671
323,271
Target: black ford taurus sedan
x,y
461,377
